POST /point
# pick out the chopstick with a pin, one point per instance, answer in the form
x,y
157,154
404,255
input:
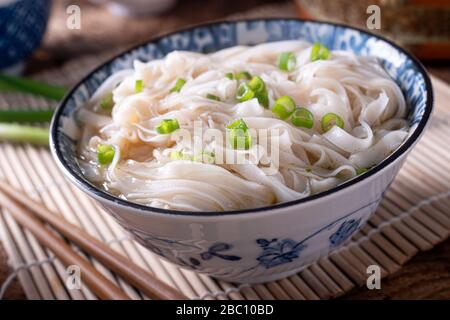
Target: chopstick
x,y
98,283
135,275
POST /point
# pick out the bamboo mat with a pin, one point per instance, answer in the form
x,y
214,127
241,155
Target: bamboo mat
x,y
413,216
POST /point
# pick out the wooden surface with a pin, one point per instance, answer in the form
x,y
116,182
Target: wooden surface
x,y
426,276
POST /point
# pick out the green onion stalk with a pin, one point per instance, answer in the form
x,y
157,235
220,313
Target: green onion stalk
x,y
19,84
10,130
26,115
20,133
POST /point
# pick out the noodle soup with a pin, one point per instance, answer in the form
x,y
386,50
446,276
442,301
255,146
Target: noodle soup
x,y
240,128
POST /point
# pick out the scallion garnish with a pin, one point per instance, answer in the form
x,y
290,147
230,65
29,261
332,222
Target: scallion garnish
x,y
17,115
229,75
257,85
330,120
11,83
107,102
138,86
238,124
212,97
178,155
263,98
243,74
302,117
167,126
244,93
238,135
286,61
105,153
319,52
178,85
360,171
239,139
284,107
205,157
19,133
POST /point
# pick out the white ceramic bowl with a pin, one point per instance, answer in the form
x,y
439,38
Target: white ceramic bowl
x,y
265,243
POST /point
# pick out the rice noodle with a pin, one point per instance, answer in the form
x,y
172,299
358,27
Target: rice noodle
x,y
309,161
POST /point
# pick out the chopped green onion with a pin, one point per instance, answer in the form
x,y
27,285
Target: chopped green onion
x,y
360,171
105,153
239,139
238,136
257,84
302,117
9,115
178,155
178,85
243,74
20,133
263,98
138,86
167,126
229,75
11,83
212,97
287,61
283,107
244,93
238,124
107,102
330,120
319,52
205,157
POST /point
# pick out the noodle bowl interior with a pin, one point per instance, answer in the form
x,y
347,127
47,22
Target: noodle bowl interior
x,y
240,128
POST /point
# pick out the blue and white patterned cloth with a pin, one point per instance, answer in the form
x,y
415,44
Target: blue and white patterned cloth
x,y
22,25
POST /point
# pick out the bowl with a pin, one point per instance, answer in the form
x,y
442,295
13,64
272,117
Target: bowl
x,y
22,25
262,244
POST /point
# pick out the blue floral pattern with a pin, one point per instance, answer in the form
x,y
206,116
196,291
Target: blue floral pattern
x,y
276,252
182,250
345,230
215,251
189,262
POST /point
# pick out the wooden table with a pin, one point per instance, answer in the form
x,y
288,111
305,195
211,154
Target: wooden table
x,y
426,276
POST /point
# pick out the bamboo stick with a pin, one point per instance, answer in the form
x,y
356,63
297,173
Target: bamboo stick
x,y
104,288
116,262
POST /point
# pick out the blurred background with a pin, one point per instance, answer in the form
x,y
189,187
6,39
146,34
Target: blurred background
x,y
108,26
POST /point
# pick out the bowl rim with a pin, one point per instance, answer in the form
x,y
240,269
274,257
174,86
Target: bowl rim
x,y
97,193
